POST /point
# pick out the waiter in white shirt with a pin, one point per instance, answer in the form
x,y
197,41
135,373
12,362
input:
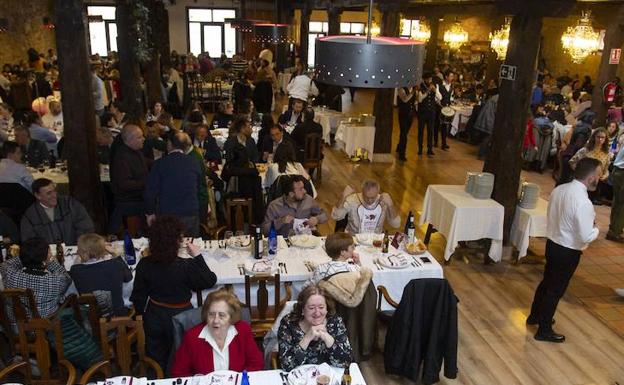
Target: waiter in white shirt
x,y
570,229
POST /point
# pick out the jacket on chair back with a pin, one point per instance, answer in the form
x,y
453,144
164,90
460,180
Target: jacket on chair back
x,y
423,330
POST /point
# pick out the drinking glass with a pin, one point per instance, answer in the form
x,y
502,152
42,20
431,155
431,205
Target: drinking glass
x,y
227,236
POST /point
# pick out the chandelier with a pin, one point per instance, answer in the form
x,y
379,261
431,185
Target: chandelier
x,y
499,40
581,40
375,29
456,36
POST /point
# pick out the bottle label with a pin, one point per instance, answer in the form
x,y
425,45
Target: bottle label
x,y
411,235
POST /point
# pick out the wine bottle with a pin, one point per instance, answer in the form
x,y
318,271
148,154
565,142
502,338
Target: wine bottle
x,y
272,241
60,253
129,249
411,231
257,243
386,243
52,159
346,377
407,222
3,250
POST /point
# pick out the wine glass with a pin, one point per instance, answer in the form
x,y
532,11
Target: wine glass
x,y
227,236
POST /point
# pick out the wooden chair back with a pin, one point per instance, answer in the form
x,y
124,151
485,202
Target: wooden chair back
x,y
313,153
264,314
128,333
33,341
235,211
16,305
93,312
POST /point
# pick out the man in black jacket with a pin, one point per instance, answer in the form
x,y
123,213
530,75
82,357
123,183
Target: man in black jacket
x,y
128,176
173,186
35,152
308,126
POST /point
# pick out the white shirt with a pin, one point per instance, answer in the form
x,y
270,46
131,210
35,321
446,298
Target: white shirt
x,y
301,87
13,172
221,358
54,123
571,216
98,92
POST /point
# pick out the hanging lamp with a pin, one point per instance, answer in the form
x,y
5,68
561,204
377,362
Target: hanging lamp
x,y
4,24
581,40
272,33
369,62
499,39
243,24
456,36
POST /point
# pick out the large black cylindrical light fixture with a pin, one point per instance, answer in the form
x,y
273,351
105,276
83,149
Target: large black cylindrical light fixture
x,y
271,33
369,62
385,62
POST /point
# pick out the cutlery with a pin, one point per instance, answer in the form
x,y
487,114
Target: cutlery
x,y
236,380
376,264
380,265
416,261
288,243
413,264
284,266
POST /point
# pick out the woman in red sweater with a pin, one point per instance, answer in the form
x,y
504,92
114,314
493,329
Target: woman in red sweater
x,y
221,342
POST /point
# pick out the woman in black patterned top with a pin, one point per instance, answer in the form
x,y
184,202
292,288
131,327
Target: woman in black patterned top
x,y
312,333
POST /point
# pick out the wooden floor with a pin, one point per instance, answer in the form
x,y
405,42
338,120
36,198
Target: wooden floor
x,y
495,346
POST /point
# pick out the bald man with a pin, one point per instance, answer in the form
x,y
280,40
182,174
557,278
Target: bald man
x,y
128,177
173,185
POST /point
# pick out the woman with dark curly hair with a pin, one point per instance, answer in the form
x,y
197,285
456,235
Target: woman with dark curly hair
x,y
312,333
164,283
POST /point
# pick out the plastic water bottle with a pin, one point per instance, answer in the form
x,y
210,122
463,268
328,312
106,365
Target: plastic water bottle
x,y
129,249
272,242
245,379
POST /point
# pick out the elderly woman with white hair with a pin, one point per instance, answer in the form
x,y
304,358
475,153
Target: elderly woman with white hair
x,y
368,210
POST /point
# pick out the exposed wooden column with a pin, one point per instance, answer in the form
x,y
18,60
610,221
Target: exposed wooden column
x,y
79,110
504,159
614,38
382,107
164,46
128,64
432,44
304,30
152,67
333,20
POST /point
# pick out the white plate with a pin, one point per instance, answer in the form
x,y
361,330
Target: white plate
x,y
261,266
367,238
222,377
395,261
242,242
305,241
306,374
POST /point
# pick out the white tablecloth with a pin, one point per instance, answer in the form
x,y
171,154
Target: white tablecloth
x,y
227,271
460,217
263,377
352,137
60,177
462,114
528,223
329,120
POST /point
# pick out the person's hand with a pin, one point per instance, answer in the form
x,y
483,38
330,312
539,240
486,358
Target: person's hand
x,y
287,218
150,218
193,250
209,182
386,199
313,221
348,190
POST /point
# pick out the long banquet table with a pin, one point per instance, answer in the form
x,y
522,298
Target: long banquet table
x,y
263,377
225,264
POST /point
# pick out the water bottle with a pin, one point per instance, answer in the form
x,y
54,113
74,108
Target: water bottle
x,y
272,241
52,159
245,379
129,249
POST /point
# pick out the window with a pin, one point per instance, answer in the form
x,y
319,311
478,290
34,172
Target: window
x,y
319,26
208,32
102,29
352,28
408,27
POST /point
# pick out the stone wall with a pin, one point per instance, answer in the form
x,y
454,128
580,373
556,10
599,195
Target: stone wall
x,y
25,29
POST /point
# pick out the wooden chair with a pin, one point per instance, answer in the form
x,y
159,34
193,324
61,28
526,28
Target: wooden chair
x,y
384,316
264,315
127,332
238,213
93,312
20,303
211,228
33,340
313,154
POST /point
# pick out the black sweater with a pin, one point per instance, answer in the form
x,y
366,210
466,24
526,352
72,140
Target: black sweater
x,y
170,283
128,174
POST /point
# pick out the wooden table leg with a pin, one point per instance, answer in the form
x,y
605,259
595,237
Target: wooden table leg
x,y
430,230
